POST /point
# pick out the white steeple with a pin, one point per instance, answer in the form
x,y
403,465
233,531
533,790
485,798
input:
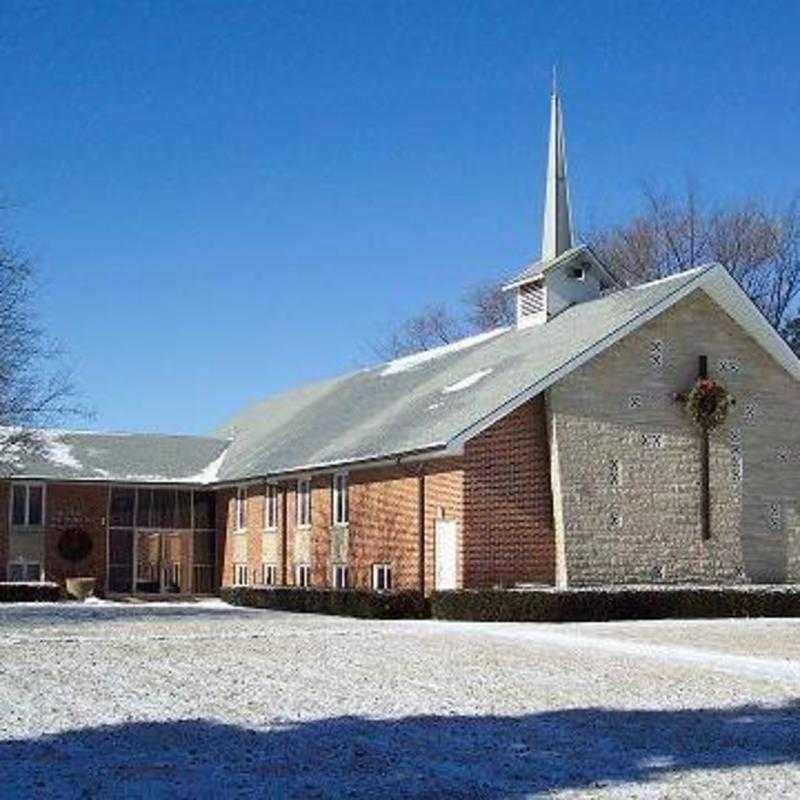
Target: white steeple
x,y
557,226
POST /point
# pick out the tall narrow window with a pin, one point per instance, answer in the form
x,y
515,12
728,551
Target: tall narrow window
x,y
241,508
341,511
303,503
270,507
27,504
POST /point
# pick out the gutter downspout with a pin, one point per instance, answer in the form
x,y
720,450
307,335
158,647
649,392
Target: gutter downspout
x,y
285,535
421,523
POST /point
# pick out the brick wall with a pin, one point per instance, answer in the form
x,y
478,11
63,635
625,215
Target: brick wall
x,y
508,514
618,413
76,506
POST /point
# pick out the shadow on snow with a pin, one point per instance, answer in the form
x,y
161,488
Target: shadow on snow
x,y
424,756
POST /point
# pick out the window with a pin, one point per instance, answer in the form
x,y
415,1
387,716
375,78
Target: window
x,y
341,511
530,299
123,502
27,504
341,576
205,510
656,349
302,576
303,503
775,516
579,273
24,571
614,472
381,577
269,574
270,507
240,574
241,509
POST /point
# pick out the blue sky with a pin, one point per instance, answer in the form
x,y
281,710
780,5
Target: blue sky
x,y
227,199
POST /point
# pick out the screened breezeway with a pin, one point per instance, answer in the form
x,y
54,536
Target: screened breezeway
x,y
162,541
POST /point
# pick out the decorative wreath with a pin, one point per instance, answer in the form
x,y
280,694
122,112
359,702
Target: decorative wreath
x,y
74,544
708,403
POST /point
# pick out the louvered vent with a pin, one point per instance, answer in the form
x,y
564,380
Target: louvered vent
x,y
531,299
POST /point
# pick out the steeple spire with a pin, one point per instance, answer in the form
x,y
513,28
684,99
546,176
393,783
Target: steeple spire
x,y
557,226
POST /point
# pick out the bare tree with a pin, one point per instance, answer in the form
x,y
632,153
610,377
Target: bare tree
x,y
759,247
34,390
487,306
432,327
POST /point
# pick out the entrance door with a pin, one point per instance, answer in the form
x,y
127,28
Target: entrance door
x,y
148,562
445,554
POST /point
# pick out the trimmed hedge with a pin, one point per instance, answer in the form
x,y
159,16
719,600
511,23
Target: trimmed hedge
x,y
29,592
347,603
616,603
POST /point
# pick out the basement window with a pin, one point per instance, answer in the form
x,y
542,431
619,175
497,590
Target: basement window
x,y
240,575
269,574
27,504
302,575
341,576
304,503
341,511
381,577
24,571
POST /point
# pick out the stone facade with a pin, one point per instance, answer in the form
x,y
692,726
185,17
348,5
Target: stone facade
x,y
626,459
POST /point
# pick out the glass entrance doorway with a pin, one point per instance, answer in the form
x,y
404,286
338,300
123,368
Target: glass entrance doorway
x,y
162,563
162,541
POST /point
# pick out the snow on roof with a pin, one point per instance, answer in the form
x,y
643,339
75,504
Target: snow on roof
x,y
465,383
423,357
401,407
129,457
428,402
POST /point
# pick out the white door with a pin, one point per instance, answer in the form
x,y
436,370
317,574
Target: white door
x,y
445,554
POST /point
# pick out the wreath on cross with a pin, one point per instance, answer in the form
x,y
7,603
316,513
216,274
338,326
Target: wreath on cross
x,y
708,403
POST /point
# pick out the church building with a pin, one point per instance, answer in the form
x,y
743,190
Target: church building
x,y
614,435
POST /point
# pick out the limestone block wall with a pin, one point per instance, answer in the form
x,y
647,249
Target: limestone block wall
x,y
625,459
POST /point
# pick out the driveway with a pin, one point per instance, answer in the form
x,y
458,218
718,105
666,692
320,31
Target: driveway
x,y
181,700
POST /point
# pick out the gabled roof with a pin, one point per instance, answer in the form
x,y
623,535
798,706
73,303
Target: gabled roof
x,y
427,403
435,400
124,457
537,269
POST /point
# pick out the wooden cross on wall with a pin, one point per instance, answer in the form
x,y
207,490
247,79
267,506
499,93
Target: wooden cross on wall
x,y
705,483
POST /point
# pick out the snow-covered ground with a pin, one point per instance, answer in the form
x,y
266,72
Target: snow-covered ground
x,y
206,701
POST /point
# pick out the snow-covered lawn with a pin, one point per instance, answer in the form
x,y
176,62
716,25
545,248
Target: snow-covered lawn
x,y
207,701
